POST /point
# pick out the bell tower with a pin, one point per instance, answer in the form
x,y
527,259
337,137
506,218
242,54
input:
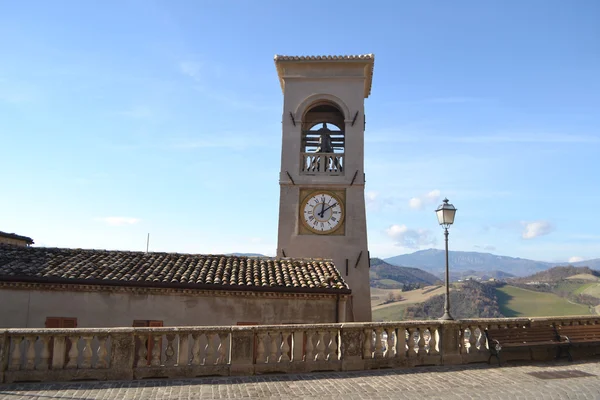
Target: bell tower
x,y
322,199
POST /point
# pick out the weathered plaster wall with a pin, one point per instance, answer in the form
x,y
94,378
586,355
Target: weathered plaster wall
x,y
30,308
15,242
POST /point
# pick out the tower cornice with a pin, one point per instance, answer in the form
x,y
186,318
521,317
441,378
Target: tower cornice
x,y
283,62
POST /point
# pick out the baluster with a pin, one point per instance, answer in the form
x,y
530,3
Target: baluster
x,y
209,350
183,356
411,342
102,352
428,340
421,343
45,354
222,350
309,356
156,350
273,336
479,338
170,351
87,352
401,342
143,351
285,347
15,358
472,347
73,352
260,349
30,354
367,352
320,346
391,343
379,343
433,341
196,357
332,347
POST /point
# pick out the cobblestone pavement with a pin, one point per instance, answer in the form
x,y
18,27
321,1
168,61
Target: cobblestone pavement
x,y
562,380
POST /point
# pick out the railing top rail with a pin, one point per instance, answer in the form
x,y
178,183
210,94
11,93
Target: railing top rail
x,y
294,327
570,318
494,321
65,331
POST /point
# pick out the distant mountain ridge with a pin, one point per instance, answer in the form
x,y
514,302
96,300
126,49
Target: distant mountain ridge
x,y
383,274
434,261
559,273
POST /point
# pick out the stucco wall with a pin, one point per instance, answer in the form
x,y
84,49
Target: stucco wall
x,y
15,242
29,309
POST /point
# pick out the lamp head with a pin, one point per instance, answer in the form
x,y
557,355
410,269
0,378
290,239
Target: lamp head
x,y
445,214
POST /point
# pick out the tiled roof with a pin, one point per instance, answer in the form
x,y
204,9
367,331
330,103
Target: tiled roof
x,y
368,59
17,237
325,58
127,268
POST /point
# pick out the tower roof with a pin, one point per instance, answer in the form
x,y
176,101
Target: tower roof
x,y
367,59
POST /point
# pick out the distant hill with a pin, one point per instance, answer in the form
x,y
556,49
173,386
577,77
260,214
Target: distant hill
x,y
385,275
480,275
434,261
593,264
468,300
559,273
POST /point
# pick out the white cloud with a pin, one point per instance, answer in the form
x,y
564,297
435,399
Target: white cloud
x,y
535,229
191,69
119,221
417,203
371,198
410,238
575,259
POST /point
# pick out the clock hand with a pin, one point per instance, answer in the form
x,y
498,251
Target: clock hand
x,y
322,207
323,211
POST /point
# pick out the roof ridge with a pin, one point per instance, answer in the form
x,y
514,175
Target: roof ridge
x,y
369,56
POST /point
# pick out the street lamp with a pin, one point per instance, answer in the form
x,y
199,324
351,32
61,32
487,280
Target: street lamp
x,y
445,214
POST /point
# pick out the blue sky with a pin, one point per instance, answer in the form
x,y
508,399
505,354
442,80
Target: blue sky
x,y
119,118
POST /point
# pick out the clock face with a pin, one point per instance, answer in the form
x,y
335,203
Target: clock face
x,y
322,212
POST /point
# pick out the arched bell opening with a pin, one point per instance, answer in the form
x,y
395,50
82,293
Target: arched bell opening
x,y
323,140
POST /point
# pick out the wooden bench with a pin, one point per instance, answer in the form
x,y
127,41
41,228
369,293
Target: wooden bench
x,y
580,335
525,337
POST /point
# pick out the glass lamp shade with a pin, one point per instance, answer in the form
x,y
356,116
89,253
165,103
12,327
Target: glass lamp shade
x,y
445,213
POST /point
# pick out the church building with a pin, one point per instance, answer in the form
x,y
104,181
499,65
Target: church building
x,y
321,270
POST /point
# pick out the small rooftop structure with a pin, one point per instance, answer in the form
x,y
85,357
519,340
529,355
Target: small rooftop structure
x,y
12,237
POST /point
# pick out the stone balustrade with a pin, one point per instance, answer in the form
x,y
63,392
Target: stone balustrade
x,y
187,352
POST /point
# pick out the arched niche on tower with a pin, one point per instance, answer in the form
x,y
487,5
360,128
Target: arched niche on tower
x,y
323,138
314,99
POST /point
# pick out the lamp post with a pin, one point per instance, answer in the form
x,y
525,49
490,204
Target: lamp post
x,y
445,214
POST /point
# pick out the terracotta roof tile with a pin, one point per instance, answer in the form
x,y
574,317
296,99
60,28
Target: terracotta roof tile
x,y
325,58
131,268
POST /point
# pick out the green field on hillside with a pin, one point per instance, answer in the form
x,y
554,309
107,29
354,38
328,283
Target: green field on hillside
x,y
393,312
517,302
591,289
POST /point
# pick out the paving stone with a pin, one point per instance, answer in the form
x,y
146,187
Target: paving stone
x,y
471,382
